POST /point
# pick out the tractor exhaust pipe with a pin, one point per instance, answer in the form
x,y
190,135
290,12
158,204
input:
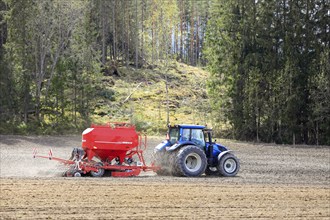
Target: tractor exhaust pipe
x,y
210,149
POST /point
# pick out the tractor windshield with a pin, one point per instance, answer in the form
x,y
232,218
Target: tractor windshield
x,y
174,134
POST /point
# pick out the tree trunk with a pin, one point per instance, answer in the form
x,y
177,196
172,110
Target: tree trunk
x,y
126,21
191,51
103,24
317,133
137,36
181,29
114,40
294,138
153,38
142,29
197,40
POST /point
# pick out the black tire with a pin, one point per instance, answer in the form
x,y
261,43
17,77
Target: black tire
x,y
211,171
100,171
162,159
190,161
174,169
228,165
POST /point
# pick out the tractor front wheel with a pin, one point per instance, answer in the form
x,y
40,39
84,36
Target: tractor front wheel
x,y
190,161
228,165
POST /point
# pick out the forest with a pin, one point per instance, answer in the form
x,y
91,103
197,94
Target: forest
x,y
268,61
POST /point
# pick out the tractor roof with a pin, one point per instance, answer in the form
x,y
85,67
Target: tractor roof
x,y
190,126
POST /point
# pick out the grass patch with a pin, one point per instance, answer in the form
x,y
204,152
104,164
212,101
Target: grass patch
x,y
146,106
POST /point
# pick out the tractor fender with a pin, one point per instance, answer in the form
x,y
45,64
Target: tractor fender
x,y
162,146
223,153
178,145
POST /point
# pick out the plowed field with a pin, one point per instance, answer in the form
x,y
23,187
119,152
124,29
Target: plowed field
x,y
275,182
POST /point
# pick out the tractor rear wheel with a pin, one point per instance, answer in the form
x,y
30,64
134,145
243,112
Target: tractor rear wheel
x,y
100,171
228,165
163,160
174,170
190,161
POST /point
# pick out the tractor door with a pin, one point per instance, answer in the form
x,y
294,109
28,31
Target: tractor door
x,y
185,134
197,136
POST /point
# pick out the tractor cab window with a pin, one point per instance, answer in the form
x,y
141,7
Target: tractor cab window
x,y
174,133
197,136
185,134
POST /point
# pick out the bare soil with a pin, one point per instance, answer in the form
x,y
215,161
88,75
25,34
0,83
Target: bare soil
x,y
275,181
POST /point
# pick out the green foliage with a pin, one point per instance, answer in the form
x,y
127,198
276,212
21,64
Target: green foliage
x,y
266,60
59,59
64,64
107,94
48,84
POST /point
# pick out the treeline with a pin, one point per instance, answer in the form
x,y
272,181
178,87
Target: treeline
x,y
270,69
269,60
53,53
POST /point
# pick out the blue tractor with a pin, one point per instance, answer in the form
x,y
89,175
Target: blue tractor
x,y
189,151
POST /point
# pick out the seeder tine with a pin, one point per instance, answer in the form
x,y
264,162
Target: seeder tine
x,y
35,151
50,154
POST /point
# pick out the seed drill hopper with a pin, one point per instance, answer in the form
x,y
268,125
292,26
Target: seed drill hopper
x,y
114,149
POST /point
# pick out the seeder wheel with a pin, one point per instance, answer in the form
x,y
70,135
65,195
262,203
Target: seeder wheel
x,y
100,171
77,174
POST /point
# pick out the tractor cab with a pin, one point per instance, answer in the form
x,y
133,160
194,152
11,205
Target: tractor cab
x,y
198,135
187,133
